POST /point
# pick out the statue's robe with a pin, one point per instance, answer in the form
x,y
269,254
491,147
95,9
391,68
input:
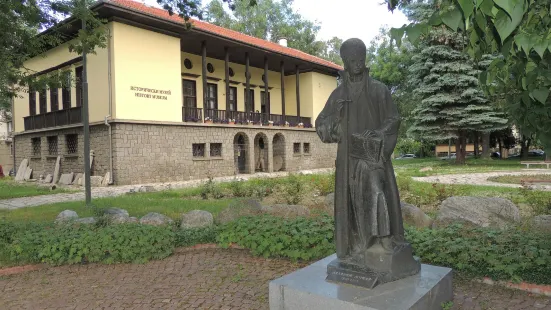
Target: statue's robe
x,y
367,207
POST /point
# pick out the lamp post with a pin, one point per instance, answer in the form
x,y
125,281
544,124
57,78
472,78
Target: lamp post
x,y
85,121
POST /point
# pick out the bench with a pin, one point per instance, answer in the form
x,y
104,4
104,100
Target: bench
x,y
528,163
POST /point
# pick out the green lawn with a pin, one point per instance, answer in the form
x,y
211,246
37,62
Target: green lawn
x,y
517,179
170,203
425,195
11,189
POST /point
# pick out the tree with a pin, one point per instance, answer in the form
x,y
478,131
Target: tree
x,y
273,20
389,64
452,105
519,30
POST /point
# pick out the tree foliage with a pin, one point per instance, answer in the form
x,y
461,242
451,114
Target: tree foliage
x,y
520,31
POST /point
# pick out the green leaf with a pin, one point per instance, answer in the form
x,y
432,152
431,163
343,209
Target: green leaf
x,y
506,5
396,34
540,94
478,3
414,32
505,25
540,47
452,19
467,7
524,42
480,21
486,7
435,19
506,49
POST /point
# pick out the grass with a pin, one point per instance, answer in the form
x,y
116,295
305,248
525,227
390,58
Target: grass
x,y
170,203
11,189
517,179
425,195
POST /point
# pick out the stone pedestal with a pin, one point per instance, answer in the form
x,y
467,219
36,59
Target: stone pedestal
x,y
307,289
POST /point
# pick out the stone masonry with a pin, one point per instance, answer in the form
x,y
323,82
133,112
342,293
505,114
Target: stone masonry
x,y
150,153
44,163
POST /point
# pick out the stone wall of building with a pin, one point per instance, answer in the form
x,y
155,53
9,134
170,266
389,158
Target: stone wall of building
x,y
42,160
162,152
6,158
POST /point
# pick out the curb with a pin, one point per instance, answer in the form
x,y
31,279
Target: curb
x,y
539,289
19,269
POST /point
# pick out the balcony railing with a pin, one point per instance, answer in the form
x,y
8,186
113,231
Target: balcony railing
x,y
190,114
53,119
239,117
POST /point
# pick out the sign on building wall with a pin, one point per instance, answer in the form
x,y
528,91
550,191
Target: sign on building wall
x,y
150,93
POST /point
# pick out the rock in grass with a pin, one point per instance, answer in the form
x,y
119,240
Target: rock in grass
x,y
155,219
197,219
86,220
286,211
237,209
65,216
477,211
414,216
329,206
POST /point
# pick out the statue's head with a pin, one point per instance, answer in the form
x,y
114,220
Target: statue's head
x,y
353,52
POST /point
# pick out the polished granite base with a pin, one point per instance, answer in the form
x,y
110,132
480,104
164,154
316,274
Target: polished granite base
x,y
307,289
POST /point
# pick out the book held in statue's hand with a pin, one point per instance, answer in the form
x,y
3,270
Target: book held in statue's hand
x,y
367,146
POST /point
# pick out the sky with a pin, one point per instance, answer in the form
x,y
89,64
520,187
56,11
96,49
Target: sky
x,y
347,19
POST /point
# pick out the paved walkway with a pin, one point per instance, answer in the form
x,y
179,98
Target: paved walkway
x,y
195,279
112,191
478,178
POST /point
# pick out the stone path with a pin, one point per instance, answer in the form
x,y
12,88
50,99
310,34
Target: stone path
x,y
478,178
112,191
195,279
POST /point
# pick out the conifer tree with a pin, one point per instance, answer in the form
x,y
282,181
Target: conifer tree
x,y
450,102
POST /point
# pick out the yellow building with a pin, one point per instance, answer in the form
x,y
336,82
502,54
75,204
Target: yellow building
x,y
168,104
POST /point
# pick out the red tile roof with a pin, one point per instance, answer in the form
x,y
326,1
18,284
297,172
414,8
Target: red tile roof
x,y
223,32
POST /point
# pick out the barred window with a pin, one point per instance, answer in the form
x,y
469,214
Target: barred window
x,y
296,148
216,150
72,143
52,145
306,148
198,150
36,146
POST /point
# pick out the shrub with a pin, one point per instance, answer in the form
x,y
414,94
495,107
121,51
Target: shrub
x,y
540,201
193,236
268,236
500,254
70,244
211,189
293,187
239,188
324,184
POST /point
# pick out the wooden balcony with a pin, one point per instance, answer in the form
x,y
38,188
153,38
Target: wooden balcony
x,y
53,119
239,117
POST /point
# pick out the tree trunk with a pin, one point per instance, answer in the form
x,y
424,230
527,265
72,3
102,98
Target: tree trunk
x,y
460,148
476,144
525,147
486,145
500,148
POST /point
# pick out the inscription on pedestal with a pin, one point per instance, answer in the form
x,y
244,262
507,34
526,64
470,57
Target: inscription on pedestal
x,y
337,273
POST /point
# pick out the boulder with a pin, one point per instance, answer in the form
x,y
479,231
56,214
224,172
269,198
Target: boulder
x,y
133,220
542,223
48,179
116,215
21,171
86,220
78,179
57,170
414,216
116,211
286,211
278,163
197,219
65,216
146,189
477,211
106,179
237,209
329,205
155,219
28,174
66,178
